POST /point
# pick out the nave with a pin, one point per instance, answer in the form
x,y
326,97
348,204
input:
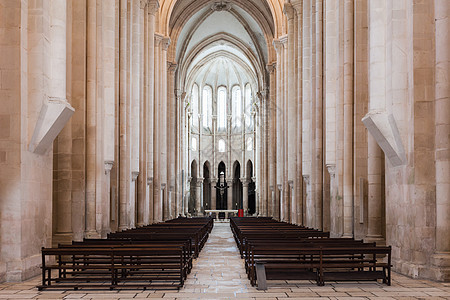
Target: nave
x,y
218,273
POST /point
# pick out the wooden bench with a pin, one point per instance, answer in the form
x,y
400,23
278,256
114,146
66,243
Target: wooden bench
x,y
84,267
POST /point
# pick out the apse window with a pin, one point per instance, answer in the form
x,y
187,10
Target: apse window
x,y
221,146
194,102
194,144
207,107
237,106
222,108
249,144
248,106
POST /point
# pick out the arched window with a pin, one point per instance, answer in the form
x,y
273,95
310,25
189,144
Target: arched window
x,y
249,144
221,146
237,106
194,103
248,106
194,144
222,108
207,107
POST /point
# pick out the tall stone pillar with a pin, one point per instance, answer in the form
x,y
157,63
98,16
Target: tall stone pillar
x,y
62,152
91,120
291,128
123,100
153,6
213,193
198,203
348,117
442,123
245,183
375,193
142,195
163,105
280,116
230,194
157,205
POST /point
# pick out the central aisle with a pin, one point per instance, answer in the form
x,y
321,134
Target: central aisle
x,y
219,267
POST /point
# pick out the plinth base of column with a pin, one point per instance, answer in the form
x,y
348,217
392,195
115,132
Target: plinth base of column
x,y
441,266
378,239
92,234
62,238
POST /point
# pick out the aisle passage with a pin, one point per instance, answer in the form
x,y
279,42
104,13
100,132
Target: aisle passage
x,y
219,273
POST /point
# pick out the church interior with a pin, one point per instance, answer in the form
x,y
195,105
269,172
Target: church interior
x,y
328,114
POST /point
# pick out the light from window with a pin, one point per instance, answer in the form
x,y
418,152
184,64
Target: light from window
x,y
249,144
194,144
194,102
248,106
222,108
237,106
207,107
221,146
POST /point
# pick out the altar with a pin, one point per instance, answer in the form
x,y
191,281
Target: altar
x,y
217,211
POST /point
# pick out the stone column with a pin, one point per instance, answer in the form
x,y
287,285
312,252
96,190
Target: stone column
x,y
298,5
375,155
153,6
171,127
157,205
442,151
271,111
132,212
230,194
213,193
291,128
63,180
245,183
198,204
91,119
348,118
123,99
279,47
164,131
142,195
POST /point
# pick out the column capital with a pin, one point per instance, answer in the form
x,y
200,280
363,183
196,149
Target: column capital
x,y
134,175
153,6
108,166
149,180
165,42
280,187
289,11
271,67
331,169
307,179
199,182
297,5
171,66
245,181
144,3
278,45
230,181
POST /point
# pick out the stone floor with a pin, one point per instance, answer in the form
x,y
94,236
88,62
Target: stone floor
x,y
219,274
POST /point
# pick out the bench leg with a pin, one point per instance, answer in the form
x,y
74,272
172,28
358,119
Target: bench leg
x,y
261,277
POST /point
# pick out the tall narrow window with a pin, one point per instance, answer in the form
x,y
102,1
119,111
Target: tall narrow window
x,y
248,106
194,103
207,107
222,108
221,146
194,144
249,144
237,106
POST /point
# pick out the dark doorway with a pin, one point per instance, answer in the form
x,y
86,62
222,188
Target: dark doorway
x,y
193,187
206,186
237,186
221,188
251,189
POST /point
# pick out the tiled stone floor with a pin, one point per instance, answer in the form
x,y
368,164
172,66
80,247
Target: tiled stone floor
x,y
219,274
